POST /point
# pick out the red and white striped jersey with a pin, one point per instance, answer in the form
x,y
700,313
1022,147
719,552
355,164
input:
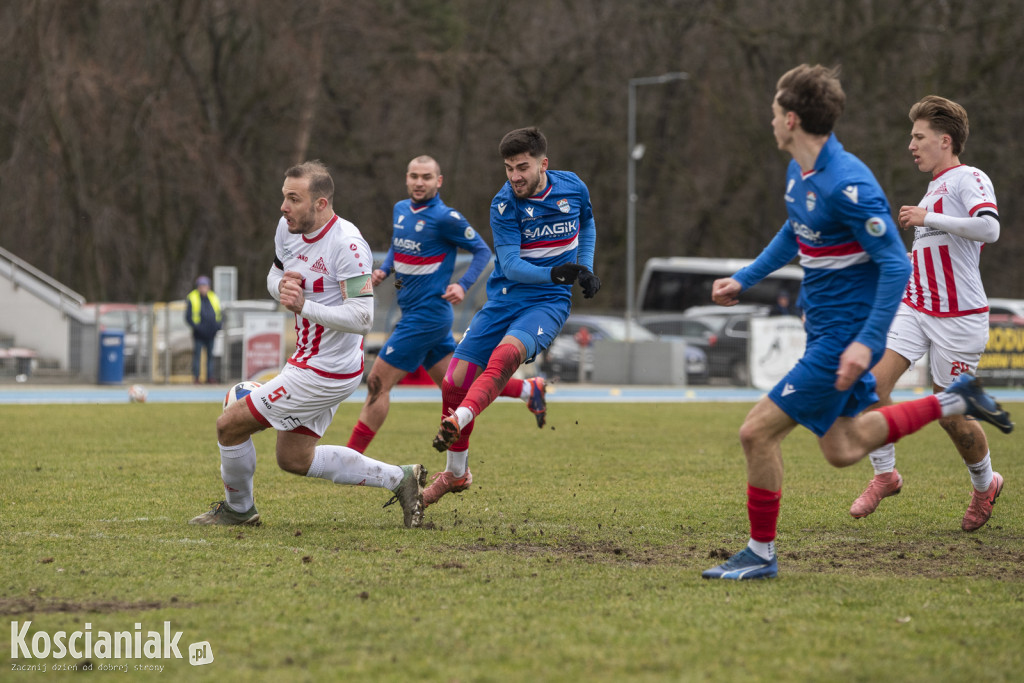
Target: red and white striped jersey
x,y
946,281
328,257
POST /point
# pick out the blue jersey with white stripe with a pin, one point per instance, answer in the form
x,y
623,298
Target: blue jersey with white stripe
x,y
855,264
425,240
533,235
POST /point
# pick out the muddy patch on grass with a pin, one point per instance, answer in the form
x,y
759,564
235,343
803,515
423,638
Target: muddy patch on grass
x,y
13,606
1001,559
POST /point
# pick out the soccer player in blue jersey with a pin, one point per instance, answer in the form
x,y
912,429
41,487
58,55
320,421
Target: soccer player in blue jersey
x,y
426,236
544,238
855,271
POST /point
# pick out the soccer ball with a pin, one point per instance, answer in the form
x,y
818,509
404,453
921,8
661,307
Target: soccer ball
x,y
239,391
137,394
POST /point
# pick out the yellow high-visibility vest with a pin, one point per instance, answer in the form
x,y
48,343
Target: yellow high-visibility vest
x,y
195,299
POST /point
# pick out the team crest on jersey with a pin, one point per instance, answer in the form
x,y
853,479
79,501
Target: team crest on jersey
x,y
420,224
470,233
563,205
875,226
941,189
319,266
811,201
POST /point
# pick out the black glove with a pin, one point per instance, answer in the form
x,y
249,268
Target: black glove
x,y
589,283
566,273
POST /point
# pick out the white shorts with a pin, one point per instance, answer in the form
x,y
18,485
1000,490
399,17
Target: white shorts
x,y
299,400
956,344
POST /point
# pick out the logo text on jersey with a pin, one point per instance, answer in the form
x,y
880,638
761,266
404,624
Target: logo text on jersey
x,y
407,244
806,233
554,230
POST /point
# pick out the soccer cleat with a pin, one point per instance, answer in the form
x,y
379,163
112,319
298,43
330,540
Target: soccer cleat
x,y
882,486
979,404
409,494
219,513
746,564
448,433
446,482
980,507
537,404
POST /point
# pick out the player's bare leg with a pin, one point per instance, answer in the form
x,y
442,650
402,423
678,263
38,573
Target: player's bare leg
x,y
382,379
972,445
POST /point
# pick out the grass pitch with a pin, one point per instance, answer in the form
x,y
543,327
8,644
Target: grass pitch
x,y
575,555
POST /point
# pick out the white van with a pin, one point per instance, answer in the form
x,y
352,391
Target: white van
x,y
676,283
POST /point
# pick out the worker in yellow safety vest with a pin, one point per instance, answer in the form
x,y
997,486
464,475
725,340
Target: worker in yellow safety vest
x,y
203,314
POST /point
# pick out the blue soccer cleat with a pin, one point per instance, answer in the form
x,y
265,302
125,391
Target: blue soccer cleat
x,y
537,404
746,564
979,404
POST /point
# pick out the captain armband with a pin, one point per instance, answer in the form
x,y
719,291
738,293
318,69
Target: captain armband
x,y
355,287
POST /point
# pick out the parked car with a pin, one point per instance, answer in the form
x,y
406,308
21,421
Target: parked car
x,y
573,347
1006,310
722,332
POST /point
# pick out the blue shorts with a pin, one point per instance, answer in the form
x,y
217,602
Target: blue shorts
x,y
808,393
415,342
533,323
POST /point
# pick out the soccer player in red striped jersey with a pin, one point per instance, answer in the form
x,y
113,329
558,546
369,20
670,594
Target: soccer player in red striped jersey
x,y
944,312
321,273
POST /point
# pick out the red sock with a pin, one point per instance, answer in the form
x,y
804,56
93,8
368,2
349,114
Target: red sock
x,y
361,437
503,362
909,416
451,397
514,388
763,511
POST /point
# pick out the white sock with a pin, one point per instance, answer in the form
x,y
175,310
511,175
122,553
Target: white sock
x,y
981,473
883,458
464,416
527,391
237,465
766,551
457,463
342,465
951,404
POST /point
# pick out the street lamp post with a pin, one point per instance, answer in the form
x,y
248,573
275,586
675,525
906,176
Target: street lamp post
x,y
634,153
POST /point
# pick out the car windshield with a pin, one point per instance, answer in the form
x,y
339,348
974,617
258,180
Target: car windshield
x,y
686,327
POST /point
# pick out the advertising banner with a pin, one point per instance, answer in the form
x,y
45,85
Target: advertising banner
x,y
262,345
